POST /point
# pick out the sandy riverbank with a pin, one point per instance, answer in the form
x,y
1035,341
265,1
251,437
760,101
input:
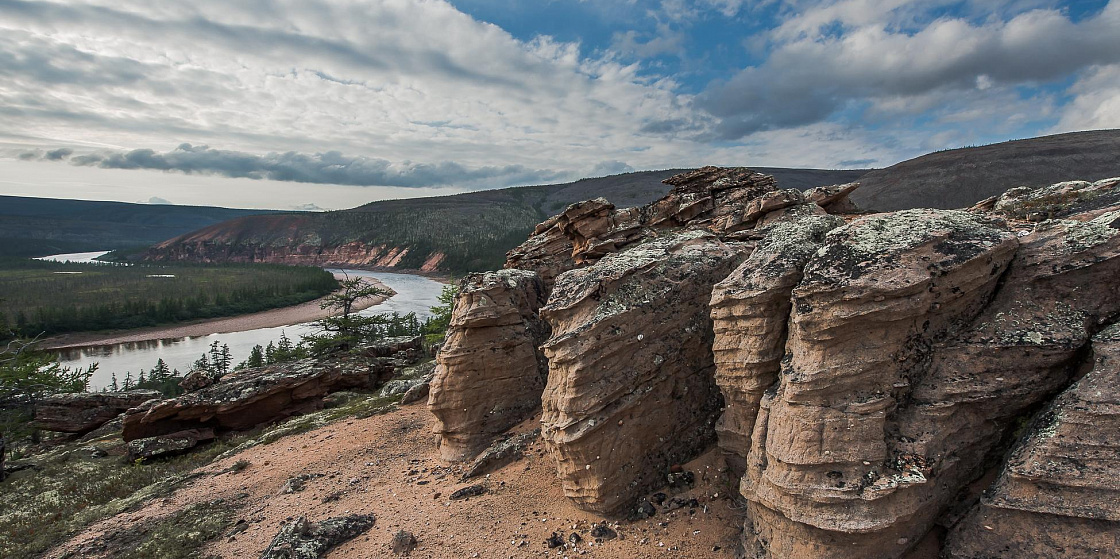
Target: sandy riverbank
x,y
285,316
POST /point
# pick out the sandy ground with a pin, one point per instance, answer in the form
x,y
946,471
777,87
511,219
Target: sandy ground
x,y
388,466
285,316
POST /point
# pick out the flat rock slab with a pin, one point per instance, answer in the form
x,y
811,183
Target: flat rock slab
x,y
252,397
83,412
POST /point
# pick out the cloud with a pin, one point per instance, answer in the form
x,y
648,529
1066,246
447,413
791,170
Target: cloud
x,y
323,168
831,59
1096,102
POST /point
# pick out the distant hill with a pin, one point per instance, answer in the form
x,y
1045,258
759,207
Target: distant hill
x,y
961,177
42,226
464,232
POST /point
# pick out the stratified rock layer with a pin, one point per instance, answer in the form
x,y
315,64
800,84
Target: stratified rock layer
x,y
900,385
490,373
83,412
1059,494
247,398
824,464
630,386
749,310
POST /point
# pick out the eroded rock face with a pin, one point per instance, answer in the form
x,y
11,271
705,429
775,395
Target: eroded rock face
x,y
247,398
85,411
898,385
749,309
725,199
1059,494
548,252
490,372
630,387
824,463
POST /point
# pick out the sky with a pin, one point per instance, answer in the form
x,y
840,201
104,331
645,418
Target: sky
x,y
327,104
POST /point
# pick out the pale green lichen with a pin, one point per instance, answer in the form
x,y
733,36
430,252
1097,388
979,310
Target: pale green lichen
x,y
907,229
1082,236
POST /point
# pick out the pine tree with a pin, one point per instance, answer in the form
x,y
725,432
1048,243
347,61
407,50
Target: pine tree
x,y
256,357
159,372
114,384
225,359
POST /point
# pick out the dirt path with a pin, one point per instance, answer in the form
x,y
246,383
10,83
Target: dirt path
x,y
388,466
285,316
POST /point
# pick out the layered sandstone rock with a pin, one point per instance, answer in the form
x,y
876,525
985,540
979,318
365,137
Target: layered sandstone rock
x,y
725,199
895,394
490,372
749,309
247,398
85,411
548,252
824,476
630,386
1059,494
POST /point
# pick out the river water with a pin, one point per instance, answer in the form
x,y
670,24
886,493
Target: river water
x,y
414,294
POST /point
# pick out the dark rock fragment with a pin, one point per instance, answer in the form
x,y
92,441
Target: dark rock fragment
x,y
302,539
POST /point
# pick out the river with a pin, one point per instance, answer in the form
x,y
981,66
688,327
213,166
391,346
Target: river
x,y
414,294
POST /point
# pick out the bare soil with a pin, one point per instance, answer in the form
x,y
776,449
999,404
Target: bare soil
x,y
388,466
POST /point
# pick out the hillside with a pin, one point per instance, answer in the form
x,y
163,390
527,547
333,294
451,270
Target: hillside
x,y
41,226
464,232
457,233
961,177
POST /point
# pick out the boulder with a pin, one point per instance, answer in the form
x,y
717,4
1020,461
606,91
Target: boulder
x,y
418,392
749,309
834,199
165,445
251,397
490,372
501,453
83,412
1058,495
303,539
630,386
825,477
408,348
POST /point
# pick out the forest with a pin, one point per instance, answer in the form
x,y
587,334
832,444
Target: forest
x,y
43,298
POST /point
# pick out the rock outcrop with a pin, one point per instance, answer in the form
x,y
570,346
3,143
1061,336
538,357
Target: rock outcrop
x,y
865,370
170,444
630,385
749,309
247,398
83,412
825,460
898,386
490,372
1059,493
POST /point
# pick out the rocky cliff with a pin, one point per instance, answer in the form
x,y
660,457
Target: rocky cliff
x,y
860,372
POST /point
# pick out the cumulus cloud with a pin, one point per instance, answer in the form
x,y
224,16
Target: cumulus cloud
x,y
842,54
324,168
395,81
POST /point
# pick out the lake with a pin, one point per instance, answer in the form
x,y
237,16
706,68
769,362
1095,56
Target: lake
x,y
414,294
